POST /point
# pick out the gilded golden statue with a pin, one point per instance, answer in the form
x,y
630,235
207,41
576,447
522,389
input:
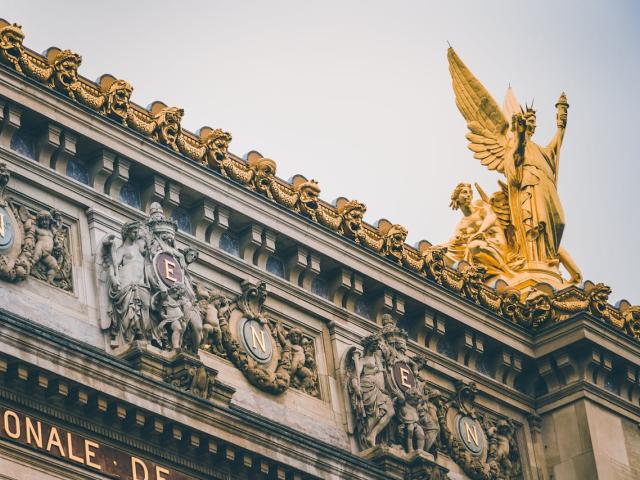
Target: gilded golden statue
x,y
516,233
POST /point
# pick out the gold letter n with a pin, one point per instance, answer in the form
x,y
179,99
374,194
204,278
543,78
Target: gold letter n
x,y
471,433
258,338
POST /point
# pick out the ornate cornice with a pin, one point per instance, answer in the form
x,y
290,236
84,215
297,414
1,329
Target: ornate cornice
x,y
539,306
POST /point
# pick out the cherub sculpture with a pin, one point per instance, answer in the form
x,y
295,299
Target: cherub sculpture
x,y
169,305
44,250
410,429
302,374
502,141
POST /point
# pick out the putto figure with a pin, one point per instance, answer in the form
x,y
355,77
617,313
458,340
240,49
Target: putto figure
x,y
502,141
479,237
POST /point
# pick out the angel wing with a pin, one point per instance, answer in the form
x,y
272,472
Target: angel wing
x,y
488,127
499,202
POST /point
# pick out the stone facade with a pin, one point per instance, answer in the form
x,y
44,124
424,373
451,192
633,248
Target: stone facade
x,y
153,305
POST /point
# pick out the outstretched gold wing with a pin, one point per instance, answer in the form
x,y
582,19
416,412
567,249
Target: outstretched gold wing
x,y
486,122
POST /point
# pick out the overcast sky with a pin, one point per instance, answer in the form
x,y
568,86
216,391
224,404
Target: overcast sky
x,y
358,96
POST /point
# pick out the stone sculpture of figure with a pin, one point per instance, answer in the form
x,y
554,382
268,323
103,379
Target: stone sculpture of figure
x,y
128,284
500,437
193,318
428,414
211,333
372,404
170,308
410,430
43,250
292,343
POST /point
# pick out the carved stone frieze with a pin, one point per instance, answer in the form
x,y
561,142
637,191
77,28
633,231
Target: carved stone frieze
x,y
394,407
271,356
32,242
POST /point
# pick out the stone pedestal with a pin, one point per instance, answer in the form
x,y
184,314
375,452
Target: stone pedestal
x,y
398,464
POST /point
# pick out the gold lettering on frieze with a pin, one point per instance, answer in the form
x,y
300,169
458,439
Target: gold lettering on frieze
x,y
73,447
73,457
89,454
258,338
34,434
135,463
15,431
54,440
472,433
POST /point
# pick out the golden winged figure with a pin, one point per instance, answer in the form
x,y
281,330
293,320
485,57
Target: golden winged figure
x,y
517,231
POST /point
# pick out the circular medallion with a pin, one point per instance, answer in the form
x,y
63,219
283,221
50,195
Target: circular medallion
x,y
256,339
7,233
403,376
470,433
168,269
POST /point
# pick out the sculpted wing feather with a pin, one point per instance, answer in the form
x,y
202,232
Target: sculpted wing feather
x,y
487,125
500,204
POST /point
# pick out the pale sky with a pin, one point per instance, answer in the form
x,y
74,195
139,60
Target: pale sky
x,y
358,96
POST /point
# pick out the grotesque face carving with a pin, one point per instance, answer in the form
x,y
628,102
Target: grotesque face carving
x,y
462,196
598,299
264,171
11,38
352,214
394,241
632,319
118,96
65,70
218,146
510,305
308,194
168,126
539,307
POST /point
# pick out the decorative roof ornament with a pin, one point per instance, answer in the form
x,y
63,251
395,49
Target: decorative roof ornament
x,y
515,233
509,265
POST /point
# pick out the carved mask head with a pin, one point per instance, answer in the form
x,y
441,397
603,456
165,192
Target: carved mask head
x,y
462,196
539,306
309,192
168,126
352,214
218,146
264,171
11,38
65,70
599,298
394,241
118,97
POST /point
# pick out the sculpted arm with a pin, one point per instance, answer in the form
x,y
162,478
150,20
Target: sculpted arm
x,y
489,220
110,259
556,142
